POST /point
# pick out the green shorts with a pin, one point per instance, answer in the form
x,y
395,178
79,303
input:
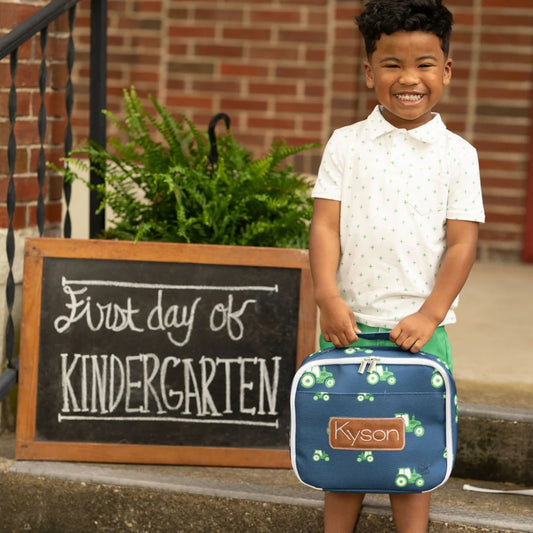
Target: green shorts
x,y
438,345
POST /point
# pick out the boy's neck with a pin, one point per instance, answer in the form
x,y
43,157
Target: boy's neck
x,y
383,113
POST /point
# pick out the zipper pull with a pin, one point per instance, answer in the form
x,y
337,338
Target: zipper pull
x,y
372,361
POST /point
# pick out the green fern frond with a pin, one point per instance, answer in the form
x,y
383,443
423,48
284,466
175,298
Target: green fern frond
x,y
160,185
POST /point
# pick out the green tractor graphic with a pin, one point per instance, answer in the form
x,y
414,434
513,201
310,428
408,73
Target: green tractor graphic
x,y
362,396
381,373
437,381
365,456
320,455
412,425
321,396
407,476
317,375
353,349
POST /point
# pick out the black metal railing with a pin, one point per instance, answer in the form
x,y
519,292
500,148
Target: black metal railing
x,y
9,46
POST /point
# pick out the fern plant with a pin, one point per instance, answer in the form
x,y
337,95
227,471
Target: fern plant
x,y
162,185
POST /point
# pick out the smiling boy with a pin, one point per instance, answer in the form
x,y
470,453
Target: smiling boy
x,y
396,210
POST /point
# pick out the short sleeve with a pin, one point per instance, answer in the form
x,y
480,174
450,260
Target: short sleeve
x,y
465,201
329,181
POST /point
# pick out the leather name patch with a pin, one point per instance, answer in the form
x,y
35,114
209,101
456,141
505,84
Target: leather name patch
x,y
367,433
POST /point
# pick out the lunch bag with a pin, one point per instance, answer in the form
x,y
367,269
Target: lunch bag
x,y
373,419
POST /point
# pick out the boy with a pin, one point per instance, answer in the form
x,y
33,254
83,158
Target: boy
x,y
396,212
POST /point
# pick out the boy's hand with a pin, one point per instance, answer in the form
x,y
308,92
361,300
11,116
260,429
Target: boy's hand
x,y
337,322
411,333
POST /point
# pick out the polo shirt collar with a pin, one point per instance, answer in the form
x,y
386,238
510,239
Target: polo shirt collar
x,y
430,132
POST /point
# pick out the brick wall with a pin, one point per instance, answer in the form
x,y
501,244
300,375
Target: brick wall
x,y
292,69
26,126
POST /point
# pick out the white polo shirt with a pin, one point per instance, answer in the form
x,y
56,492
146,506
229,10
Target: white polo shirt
x,y
397,187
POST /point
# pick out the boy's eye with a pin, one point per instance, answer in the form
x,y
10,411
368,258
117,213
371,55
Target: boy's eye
x,y
426,65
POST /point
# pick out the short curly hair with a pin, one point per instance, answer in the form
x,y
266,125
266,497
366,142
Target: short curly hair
x,y
389,16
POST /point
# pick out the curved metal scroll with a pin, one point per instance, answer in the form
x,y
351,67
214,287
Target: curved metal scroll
x,y
213,156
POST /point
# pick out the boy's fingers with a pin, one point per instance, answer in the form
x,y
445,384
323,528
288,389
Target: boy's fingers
x,y
415,347
394,333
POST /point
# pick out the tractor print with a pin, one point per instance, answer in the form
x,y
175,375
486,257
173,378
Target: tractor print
x,y
412,425
362,396
365,456
353,349
437,381
320,454
321,396
381,373
407,476
317,375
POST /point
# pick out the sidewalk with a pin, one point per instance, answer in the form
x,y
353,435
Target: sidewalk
x,y
493,339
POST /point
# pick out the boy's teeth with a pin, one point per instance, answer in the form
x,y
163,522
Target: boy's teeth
x,y
409,97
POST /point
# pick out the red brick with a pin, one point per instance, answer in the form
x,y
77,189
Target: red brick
x,y
252,34
272,52
504,218
301,73
507,19
19,217
272,88
148,6
299,107
278,16
53,213
187,32
302,36
218,14
216,50
522,4
181,101
271,123
243,70
244,104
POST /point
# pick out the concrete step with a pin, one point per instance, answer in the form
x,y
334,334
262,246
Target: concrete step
x,y
495,452
73,497
59,497
495,443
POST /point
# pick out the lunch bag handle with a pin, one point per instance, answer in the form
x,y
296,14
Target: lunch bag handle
x,y
375,336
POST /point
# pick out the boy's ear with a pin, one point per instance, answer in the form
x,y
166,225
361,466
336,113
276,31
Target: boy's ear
x,y
369,75
447,76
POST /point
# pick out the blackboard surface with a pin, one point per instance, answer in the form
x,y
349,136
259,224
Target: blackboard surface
x,y
160,353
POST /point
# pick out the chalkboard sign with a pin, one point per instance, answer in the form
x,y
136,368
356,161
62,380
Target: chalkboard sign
x,y
160,353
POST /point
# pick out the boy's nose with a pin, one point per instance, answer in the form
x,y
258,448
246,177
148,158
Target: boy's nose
x,y
408,77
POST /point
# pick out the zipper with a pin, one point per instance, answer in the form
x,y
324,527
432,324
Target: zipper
x,y
372,361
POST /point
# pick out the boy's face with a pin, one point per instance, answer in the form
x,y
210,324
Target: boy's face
x,y
408,71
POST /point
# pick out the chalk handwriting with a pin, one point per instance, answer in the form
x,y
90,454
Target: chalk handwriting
x,y
174,316
148,387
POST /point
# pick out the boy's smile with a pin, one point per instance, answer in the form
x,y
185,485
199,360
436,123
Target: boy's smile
x,y
408,71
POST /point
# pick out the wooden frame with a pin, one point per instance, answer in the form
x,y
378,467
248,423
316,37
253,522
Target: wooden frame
x,y
36,250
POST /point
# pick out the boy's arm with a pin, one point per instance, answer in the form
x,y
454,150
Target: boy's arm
x,y
337,321
415,330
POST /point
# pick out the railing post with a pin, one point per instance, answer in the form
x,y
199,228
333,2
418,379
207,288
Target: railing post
x,y
97,132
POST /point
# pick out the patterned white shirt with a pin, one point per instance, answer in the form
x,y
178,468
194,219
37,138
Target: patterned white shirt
x,y
397,188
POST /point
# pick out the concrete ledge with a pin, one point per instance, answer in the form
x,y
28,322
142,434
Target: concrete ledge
x,y
495,449
64,497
